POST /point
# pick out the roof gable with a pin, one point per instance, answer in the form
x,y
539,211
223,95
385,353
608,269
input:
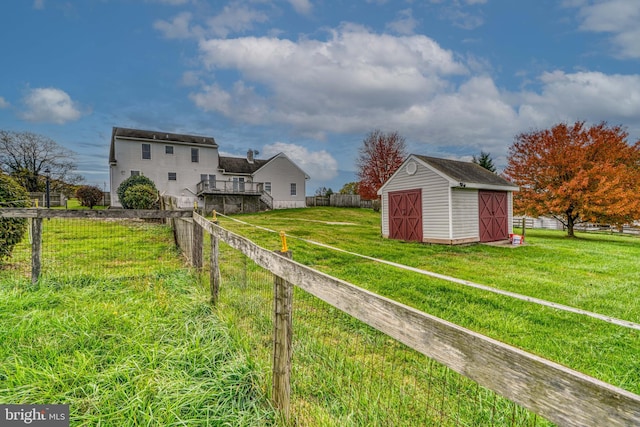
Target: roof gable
x,y
306,176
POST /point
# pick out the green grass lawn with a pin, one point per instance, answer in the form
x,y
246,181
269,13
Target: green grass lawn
x,y
122,331
125,337
595,272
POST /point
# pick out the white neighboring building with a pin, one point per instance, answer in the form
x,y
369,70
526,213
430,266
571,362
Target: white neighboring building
x,y
190,168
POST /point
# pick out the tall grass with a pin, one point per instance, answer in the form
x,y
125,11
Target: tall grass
x,y
124,337
594,272
344,373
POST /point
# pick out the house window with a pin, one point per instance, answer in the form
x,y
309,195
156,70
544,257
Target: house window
x,y
168,149
172,176
195,155
294,189
135,173
146,151
267,187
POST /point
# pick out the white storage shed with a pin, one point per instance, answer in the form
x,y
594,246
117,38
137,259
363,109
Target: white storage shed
x,y
445,201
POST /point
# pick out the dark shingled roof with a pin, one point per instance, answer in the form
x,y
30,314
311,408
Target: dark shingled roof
x,y
240,165
156,136
465,172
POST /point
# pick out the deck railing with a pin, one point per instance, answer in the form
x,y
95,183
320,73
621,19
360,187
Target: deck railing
x,y
229,187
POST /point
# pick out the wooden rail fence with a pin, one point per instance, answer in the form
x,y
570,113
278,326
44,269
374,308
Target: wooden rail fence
x,y
557,393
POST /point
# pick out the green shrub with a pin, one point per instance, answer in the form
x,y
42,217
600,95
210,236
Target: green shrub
x,y
12,195
130,182
89,195
140,196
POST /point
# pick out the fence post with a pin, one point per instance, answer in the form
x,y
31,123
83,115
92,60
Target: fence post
x,y
282,350
197,246
36,248
214,274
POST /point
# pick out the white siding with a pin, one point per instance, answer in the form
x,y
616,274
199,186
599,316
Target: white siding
x,y
465,214
128,155
435,200
510,211
281,173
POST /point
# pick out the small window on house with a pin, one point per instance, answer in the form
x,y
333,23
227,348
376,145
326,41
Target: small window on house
x,y
146,151
172,176
267,187
195,155
294,189
168,149
135,173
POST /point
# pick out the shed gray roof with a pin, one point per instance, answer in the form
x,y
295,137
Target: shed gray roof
x,y
466,172
156,136
240,165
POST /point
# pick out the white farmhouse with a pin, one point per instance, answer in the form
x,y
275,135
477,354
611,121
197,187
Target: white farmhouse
x,y
189,168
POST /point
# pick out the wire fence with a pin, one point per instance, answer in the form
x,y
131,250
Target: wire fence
x,y
110,249
345,373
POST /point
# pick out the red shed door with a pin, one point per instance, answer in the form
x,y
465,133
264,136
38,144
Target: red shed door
x,y
405,215
493,216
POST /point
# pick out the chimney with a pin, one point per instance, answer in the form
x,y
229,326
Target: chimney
x,y
250,156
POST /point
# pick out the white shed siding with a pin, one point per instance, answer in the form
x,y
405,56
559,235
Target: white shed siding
x,y
510,211
465,213
129,158
435,208
435,197
281,173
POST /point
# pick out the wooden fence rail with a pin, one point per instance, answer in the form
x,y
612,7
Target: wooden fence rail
x,y
557,393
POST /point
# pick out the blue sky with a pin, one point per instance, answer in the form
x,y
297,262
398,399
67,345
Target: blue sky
x,y
311,78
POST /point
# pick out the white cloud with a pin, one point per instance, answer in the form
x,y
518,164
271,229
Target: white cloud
x,y
177,28
234,18
320,165
462,13
326,84
49,105
38,4
404,23
356,81
4,103
303,7
213,98
618,17
584,95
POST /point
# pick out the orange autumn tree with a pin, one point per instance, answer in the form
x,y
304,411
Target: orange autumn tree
x,y
380,155
576,174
